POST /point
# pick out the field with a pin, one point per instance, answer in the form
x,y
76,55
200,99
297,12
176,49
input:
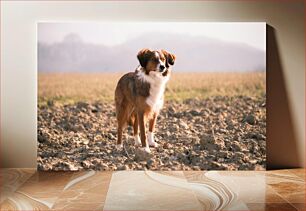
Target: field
x,y
65,88
209,121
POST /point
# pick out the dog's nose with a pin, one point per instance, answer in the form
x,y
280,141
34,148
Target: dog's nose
x,y
161,67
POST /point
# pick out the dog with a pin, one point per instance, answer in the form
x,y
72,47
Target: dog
x,y
139,95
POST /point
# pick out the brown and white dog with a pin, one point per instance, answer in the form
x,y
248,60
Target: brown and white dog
x,y
139,95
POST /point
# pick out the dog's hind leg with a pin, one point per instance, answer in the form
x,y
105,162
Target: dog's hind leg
x,y
122,118
119,139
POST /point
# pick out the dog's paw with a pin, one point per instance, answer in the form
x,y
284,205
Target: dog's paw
x,y
146,149
137,140
119,147
153,144
151,141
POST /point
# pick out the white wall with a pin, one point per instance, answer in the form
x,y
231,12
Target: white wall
x,y
18,55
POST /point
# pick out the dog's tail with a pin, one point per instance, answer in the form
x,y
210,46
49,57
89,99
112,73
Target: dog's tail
x,y
119,98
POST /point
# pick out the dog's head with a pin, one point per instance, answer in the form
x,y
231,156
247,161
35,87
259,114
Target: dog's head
x,y
158,61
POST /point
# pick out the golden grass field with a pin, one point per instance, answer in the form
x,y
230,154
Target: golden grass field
x,y
67,88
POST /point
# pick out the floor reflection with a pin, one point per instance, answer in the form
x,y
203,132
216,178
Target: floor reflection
x,y
27,189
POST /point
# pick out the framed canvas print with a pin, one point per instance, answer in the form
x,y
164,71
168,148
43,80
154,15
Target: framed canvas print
x,y
151,95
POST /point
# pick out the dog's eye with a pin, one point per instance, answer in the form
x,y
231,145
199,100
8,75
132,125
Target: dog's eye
x,y
155,60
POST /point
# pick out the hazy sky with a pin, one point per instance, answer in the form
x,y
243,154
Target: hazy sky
x,y
113,33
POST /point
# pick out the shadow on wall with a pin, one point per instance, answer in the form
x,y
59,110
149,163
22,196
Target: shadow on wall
x,y
281,141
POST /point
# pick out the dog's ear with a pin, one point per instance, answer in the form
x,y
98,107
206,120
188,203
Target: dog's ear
x,y
143,56
170,58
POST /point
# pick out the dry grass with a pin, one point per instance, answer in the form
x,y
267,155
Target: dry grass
x,y
73,87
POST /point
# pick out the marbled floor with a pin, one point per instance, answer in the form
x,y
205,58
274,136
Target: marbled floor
x,y
28,189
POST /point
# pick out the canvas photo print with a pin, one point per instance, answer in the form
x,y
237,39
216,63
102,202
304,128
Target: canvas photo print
x,y
151,96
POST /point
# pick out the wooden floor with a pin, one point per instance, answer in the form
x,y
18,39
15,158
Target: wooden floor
x,y
28,189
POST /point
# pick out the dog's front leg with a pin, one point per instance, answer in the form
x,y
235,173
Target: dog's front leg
x,y
152,122
135,128
141,122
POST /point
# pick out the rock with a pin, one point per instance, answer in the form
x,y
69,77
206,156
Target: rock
x,y
244,166
82,105
239,154
42,138
216,166
111,136
195,113
223,154
257,136
76,128
85,141
183,125
261,137
171,110
123,167
101,166
174,128
126,167
93,108
142,155
61,154
259,168
50,103
66,166
235,146
238,157
86,164
98,138
42,166
196,168
208,141
230,126
150,163
166,145
250,119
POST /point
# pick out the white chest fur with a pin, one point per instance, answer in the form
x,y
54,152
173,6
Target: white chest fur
x,y
157,88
